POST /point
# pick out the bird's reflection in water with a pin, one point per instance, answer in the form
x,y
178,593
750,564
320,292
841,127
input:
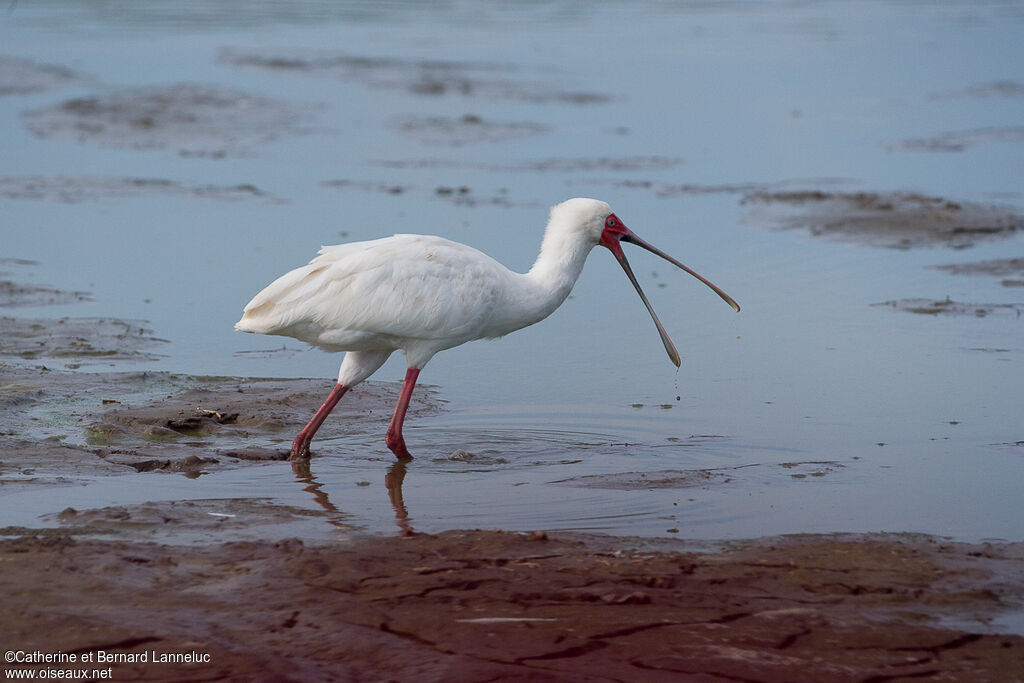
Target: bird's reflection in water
x,y
304,476
392,481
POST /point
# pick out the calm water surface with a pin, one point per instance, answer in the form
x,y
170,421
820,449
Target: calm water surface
x,y
816,411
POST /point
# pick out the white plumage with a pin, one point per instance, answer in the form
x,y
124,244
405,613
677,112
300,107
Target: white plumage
x,y
423,294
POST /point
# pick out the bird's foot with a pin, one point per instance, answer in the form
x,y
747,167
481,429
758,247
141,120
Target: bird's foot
x,y
397,446
300,451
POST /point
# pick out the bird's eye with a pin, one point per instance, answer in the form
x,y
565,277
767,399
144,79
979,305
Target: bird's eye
x,y
610,222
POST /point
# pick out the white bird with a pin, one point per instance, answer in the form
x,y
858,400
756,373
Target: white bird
x,y
424,294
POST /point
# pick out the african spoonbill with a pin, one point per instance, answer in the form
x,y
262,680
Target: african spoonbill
x,y
424,294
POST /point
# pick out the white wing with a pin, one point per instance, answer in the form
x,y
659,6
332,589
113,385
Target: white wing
x,y
380,293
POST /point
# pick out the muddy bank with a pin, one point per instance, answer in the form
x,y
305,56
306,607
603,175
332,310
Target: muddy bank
x,y
481,605
71,341
203,521
76,340
59,425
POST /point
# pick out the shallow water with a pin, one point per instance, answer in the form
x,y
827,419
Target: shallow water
x,y
387,114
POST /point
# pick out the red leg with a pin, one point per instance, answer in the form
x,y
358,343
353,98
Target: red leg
x,y
300,447
394,438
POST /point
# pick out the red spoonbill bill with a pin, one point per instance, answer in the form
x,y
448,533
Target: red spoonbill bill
x,y
424,294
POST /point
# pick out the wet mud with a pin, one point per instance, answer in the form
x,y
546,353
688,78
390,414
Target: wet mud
x,y
430,78
190,119
467,605
14,294
948,307
488,605
24,77
74,341
461,195
1009,270
903,221
468,129
183,521
991,89
464,195
958,141
77,340
548,165
664,190
73,190
166,423
895,220
699,478
663,479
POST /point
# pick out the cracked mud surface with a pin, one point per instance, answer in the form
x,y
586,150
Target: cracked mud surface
x,y
486,605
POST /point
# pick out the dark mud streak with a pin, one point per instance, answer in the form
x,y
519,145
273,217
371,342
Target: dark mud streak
x,y
125,644
619,633
385,627
881,678
958,642
567,653
464,585
609,635
792,638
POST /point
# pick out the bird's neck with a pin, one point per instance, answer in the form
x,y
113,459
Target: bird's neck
x,y
534,295
559,264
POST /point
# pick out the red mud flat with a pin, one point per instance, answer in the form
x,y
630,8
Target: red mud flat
x,y
490,605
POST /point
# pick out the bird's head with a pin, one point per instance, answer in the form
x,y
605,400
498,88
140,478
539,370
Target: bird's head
x,y
598,219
